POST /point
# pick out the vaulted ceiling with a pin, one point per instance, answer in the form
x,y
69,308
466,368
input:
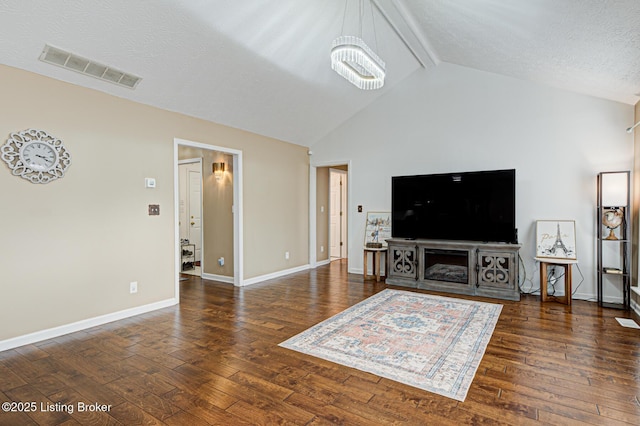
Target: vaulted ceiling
x,y
263,65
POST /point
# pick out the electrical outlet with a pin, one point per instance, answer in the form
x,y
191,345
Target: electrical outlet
x,y
133,287
321,249
154,209
221,261
286,255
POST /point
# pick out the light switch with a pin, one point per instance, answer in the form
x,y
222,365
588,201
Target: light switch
x,y
149,183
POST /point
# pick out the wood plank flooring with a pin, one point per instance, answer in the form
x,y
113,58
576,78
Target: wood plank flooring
x,y
214,359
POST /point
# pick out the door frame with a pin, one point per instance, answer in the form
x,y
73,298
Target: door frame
x,y
237,211
202,248
313,218
344,206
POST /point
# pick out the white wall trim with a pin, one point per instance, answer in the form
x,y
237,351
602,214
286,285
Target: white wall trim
x,y
278,274
580,296
216,277
618,300
51,333
313,254
634,306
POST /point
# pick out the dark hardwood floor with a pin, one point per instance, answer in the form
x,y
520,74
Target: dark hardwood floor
x,y
214,359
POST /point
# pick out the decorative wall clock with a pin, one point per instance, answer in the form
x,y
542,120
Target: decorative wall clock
x,y
36,156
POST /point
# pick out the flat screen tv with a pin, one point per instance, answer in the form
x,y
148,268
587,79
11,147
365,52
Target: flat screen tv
x,y
474,206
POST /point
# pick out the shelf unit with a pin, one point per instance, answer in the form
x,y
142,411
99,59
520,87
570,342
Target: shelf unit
x,y
614,243
188,257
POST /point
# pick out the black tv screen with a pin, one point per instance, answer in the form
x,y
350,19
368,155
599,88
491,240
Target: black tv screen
x,y
474,206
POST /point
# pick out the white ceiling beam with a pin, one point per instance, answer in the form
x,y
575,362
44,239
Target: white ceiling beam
x,y
397,15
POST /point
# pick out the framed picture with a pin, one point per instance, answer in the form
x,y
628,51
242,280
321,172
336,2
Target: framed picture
x,y
377,229
556,239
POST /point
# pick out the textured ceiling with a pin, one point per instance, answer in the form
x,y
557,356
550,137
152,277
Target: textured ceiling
x,y
263,65
587,46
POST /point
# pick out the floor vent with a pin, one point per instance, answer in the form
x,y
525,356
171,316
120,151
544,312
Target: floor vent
x,y
64,59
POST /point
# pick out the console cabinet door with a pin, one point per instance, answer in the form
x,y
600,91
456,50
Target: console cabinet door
x,y
497,270
402,261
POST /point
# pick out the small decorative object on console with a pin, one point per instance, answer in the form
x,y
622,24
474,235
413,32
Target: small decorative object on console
x,y
612,219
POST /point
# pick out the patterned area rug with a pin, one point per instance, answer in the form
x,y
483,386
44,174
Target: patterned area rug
x,y
430,342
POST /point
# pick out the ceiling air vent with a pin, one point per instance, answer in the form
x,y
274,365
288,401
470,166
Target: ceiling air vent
x,y
61,58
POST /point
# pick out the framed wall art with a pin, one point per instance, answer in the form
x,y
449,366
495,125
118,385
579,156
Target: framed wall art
x,y
556,239
377,229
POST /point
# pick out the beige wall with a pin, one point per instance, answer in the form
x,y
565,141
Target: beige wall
x,y
70,248
217,216
276,208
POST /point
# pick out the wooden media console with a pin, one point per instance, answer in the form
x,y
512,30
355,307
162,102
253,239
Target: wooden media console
x,y
462,267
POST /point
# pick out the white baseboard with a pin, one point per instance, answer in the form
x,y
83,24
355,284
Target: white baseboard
x,y
220,278
50,333
614,300
584,296
634,306
278,274
254,280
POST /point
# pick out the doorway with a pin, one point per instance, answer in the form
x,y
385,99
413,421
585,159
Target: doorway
x,y
337,214
228,184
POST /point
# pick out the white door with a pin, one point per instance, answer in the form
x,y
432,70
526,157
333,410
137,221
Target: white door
x,y
195,210
190,181
337,214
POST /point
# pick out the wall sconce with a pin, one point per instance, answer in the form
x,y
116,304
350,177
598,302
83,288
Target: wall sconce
x,y
218,170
